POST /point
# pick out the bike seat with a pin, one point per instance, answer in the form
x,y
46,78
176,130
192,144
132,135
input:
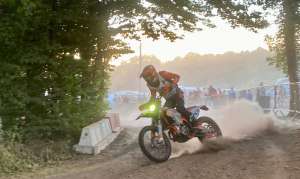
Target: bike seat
x,y
193,109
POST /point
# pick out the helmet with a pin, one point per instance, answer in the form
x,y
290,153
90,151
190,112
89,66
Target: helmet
x,y
150,75
148,70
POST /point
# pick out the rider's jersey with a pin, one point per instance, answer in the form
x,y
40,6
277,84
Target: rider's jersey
x,y
167,84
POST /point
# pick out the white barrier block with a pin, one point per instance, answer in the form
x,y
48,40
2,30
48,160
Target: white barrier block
x,y
114,120
95,137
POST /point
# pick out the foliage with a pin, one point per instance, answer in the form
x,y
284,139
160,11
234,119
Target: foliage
x,y
285,46
46,93
54,55
276,47
277,44
11,162
16,157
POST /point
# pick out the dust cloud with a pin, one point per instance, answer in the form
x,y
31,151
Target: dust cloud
x,y
238,120
242,119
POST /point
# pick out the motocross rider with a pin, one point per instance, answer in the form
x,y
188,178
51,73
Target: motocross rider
x,y
165,83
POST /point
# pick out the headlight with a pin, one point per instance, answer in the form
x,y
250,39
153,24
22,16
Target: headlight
x,y
152,107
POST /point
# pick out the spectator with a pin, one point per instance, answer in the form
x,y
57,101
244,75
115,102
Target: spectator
x,y
249,95
220,93
262,99
261,91
212,91
232,94
212,95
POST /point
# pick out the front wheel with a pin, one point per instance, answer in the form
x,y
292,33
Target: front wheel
x,y
208,128
155,148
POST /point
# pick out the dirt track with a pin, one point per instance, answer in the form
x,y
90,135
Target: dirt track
x,y
272,155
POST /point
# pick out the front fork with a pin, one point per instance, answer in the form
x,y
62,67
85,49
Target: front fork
x,y
158,134
156,122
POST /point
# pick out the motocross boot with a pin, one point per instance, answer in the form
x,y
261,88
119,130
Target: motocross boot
x,y
175,128
191,118
184,129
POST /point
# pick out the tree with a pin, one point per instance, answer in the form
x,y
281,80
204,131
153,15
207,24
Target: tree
x,y
285,46
46,90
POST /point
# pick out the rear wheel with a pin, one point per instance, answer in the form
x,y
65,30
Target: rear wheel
x,y
208,128
155,148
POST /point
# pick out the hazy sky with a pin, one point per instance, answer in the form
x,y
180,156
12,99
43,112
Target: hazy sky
x,y
210,40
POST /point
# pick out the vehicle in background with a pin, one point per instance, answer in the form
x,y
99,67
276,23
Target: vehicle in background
x,y
283,86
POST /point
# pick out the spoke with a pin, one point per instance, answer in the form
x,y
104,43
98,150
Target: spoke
x,y
211,133
155,148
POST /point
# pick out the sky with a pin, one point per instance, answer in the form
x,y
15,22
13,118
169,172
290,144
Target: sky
x,y
217,40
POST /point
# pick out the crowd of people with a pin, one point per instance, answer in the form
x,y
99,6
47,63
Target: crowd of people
x,y
210,96
265,96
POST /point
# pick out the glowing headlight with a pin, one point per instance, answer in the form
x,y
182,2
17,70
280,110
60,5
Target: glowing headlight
x,y
152,107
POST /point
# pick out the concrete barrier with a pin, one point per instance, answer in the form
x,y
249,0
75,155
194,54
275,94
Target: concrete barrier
x,y
97,136
114,120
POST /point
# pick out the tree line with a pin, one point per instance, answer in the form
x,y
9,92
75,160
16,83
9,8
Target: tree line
x,y
239,70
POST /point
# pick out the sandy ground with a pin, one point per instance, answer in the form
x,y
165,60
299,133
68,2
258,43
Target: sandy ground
x,y
270,155
255,146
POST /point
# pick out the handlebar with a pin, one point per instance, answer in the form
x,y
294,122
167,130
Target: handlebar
x,y
138,117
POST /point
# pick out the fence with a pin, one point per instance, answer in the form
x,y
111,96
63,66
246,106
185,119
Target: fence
x,y
275,98
272,98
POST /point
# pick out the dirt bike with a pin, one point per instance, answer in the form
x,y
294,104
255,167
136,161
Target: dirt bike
x,y
154,142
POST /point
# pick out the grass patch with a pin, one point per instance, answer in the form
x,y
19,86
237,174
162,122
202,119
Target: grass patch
x,y
17,158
